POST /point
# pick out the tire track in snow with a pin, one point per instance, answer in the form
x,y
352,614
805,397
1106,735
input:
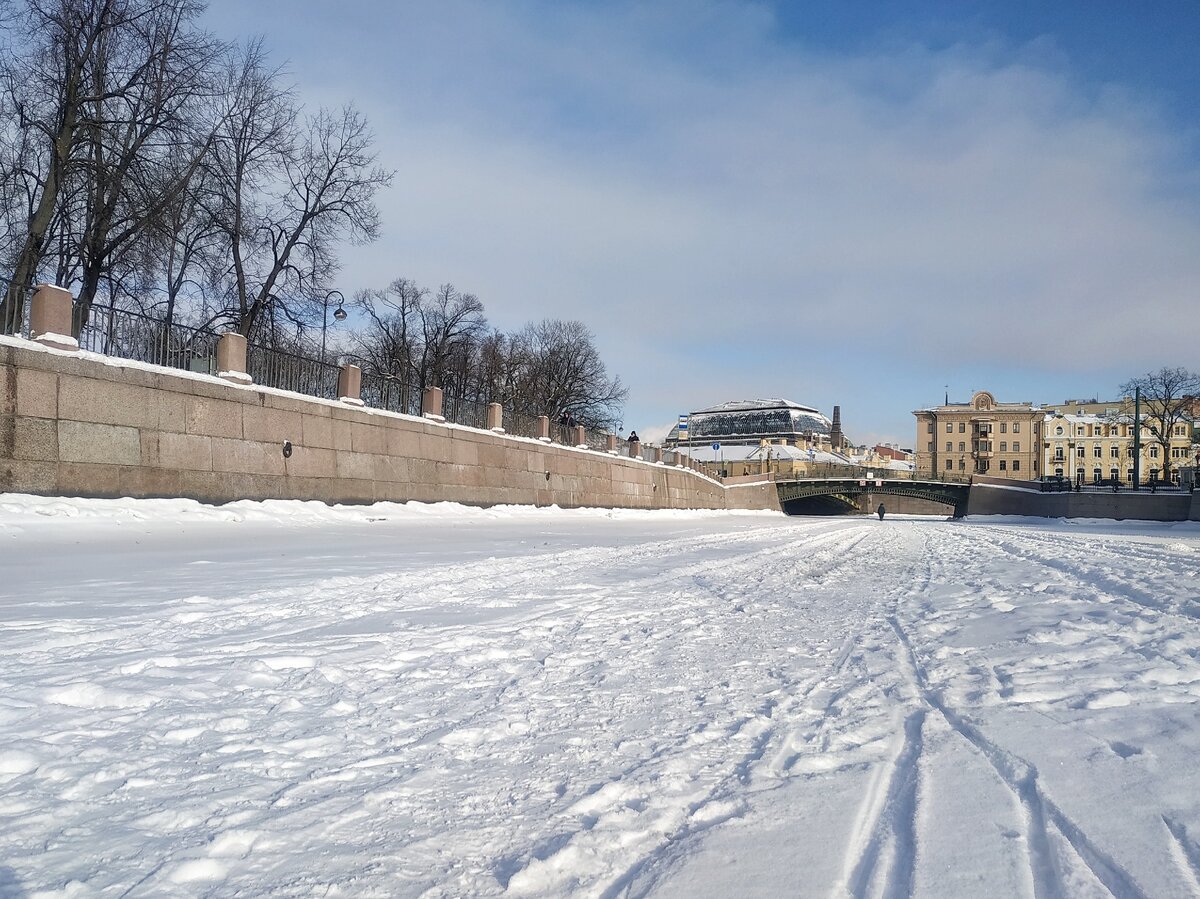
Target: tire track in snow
x,y
1040,811
1083,568
792,562
1184,852
212,641
884,846
894,817
792,559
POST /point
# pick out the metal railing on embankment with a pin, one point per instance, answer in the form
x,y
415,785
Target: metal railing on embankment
x,y
136,336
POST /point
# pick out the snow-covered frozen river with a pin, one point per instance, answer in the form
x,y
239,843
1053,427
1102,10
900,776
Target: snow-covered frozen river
x,y
286,700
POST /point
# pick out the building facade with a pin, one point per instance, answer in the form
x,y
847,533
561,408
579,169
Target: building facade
x,y
957,440
1087,447
751,422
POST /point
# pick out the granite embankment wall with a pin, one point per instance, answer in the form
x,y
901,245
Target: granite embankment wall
x,y
86,425
995,499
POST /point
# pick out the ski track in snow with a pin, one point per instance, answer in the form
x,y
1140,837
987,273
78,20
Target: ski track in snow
x,y
1010,710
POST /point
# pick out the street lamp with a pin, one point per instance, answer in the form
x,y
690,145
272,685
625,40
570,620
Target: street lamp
x,y
339,313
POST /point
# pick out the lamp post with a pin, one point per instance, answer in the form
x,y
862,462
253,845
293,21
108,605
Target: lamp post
x,y
339,313
1137,437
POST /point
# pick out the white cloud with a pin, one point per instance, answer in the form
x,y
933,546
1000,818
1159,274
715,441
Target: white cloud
x,y
720,205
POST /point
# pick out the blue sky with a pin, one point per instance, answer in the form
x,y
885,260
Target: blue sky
x,y
840,203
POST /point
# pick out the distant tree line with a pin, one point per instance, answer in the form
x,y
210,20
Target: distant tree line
x,y
441,338
148,165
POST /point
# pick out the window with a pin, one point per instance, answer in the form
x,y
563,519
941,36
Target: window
x,y
1058,454
1003,465
931,446
1097,452
1154,452
1079,429
962,427
1016,464
949,464
1058,430
949,446
1004,446
962,447
1058,472
1003,427
1096,475
1079,453
949,428
930,428
1114,474
1016,427
1016,446
1114,452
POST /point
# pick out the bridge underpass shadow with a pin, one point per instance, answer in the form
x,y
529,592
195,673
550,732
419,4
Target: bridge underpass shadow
x,y
822,505
862,496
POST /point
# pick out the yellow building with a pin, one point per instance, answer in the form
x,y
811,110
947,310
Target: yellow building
x,y
1087,447
957,440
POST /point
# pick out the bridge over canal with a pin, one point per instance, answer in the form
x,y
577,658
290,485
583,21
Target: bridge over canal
x,y
832,496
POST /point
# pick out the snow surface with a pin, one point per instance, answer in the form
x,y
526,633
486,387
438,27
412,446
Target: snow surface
x,y
287,699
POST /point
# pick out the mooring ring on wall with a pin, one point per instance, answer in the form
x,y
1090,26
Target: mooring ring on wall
x,y
287,449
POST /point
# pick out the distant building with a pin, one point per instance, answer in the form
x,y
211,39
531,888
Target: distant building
x,y
757,436
980,437
750,422
1087,447
895,453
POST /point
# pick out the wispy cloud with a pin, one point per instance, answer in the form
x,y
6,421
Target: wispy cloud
x,y
735,213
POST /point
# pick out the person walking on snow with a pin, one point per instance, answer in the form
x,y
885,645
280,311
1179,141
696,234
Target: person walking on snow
x,y
880,511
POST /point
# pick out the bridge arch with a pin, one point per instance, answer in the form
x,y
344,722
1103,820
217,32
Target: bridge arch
x,y
817,496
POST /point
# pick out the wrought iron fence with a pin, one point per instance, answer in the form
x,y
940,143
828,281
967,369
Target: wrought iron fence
x,y
390,392
466,412
522,424
596,440
14,310
131,335
125,334
288,371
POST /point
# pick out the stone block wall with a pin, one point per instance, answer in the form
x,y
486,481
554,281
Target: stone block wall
x,y
1143,506
83,425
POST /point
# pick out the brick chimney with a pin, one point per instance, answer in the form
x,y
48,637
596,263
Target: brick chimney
x,y
835,432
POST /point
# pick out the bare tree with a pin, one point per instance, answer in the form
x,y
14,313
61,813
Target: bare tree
x,y
142,143
187,240
563,372
291,189
1167,395
450,320
390,345
76,65
442,339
